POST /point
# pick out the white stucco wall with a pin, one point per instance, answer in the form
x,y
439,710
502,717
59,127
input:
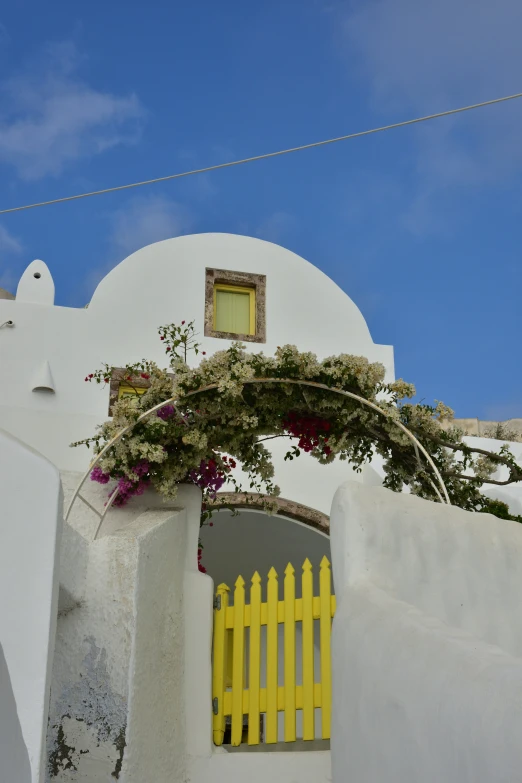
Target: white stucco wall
x,y
118,705
14,756
291,767
30,529
304,479
160,284
243,544
133,654
426,643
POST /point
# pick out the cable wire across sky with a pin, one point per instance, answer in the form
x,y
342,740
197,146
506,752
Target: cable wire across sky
x,y
266,155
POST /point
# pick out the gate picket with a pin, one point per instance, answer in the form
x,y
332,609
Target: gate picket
x,y
246,697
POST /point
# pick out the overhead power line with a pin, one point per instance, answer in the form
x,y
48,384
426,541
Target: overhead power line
x,y
266,155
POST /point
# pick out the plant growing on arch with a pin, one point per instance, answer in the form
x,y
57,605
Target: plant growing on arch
x,y
211,432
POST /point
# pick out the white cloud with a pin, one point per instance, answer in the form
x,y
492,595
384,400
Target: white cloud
x,y
419,52
142,221
49,117
10,250
420,58
9,244
147,220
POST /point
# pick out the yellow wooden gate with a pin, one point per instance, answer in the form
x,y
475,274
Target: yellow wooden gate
x,y
234,667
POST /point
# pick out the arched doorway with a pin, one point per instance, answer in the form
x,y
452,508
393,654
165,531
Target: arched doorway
x,y
253,541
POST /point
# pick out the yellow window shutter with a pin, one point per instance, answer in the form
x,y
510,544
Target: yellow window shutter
x,y
234,309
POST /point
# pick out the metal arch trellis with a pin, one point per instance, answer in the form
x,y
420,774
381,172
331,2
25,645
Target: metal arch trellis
x,y
444,498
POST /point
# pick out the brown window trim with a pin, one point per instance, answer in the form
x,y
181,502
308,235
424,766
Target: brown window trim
x,y
245,279
118,379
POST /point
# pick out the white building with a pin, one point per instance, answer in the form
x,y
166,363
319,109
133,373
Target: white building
x,y
130,670
48,351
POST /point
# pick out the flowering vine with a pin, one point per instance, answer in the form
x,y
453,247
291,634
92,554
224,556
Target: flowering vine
x,y
211,432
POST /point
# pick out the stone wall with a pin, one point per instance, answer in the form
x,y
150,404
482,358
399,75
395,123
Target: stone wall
x,y
480,428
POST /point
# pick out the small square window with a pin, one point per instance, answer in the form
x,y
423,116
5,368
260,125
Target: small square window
x,y
120,387
129,391
235,304
234,309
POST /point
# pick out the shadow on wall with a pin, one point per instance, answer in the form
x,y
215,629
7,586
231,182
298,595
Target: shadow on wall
x,y
14,764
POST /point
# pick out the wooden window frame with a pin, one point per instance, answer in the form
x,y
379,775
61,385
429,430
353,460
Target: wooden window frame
x,y
254,285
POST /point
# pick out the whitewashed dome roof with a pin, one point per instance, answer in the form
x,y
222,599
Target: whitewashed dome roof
x,y
166,281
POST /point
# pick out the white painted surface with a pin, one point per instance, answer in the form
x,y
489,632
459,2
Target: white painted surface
x,y
303,306
119,663
156,729
160,284
198,593
304,479
90,687
291,767
30,527
43,378
426,641
244,544
36,285
14,756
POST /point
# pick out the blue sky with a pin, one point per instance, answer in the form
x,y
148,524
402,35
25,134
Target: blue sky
x,y
420,226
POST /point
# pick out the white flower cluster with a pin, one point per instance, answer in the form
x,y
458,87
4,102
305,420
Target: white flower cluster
x,y
233,399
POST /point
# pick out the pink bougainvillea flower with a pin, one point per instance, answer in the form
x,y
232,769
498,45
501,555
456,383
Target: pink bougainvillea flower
x,y
141,468
97,474
166,412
